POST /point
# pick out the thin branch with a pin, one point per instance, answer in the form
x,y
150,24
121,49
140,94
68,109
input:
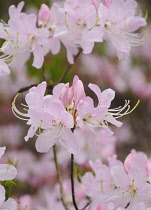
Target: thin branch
x,y
86,206
26,88
72,182
69,67
43,73
59,179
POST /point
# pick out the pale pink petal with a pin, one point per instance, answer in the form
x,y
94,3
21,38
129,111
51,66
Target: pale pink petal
x,y
57,90
41,88
87,46
106,97
7,172
95,89
134,23
67,119
138,175
54,45
95,35
84,109
44,143
111,119
121,44
13,11
90,16
2,195
71,51
4,70
55,108
38,53
69,142
2,150
120,178
31,132
10,204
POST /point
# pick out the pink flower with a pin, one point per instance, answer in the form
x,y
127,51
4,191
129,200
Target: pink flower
x,y
117,23
113,184
7,171
68,108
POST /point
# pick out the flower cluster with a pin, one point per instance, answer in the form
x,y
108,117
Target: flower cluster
x,y
7,172
77,24
120,186
68,116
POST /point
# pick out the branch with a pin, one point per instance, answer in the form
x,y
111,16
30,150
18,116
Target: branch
x,y
26,88
69,67
86,206
43,73
59,179
72,182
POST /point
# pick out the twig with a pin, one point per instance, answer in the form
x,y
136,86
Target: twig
x,y
43,73
26,88
72,182
86,206
59,179
69,67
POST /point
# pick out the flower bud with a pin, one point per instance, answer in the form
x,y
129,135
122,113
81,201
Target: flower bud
x,y
95,3
107,3
43,15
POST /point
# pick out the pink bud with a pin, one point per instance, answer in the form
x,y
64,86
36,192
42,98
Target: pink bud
x,y
128,163
95,3
107,3
148,166
43,15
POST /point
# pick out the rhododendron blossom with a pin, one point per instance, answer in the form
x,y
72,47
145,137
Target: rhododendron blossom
x,y
63,116
77,24
123,185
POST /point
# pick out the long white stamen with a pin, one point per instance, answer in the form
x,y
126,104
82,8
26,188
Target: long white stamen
x,y
119,114
18,116
16,110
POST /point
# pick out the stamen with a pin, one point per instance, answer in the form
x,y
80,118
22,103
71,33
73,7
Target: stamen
x,y
119,114
57,131
24,105
121,30
15,110
18,116
138,38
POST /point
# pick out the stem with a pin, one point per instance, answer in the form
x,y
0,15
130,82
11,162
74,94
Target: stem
x,y
26,88
43,73
59,179
72,182
86,206
69,67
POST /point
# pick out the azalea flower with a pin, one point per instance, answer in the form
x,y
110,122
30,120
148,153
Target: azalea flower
x,y
56,118
125,185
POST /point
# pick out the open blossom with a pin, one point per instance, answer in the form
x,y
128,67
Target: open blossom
x,y
77,24
7,172
125,185
63,116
